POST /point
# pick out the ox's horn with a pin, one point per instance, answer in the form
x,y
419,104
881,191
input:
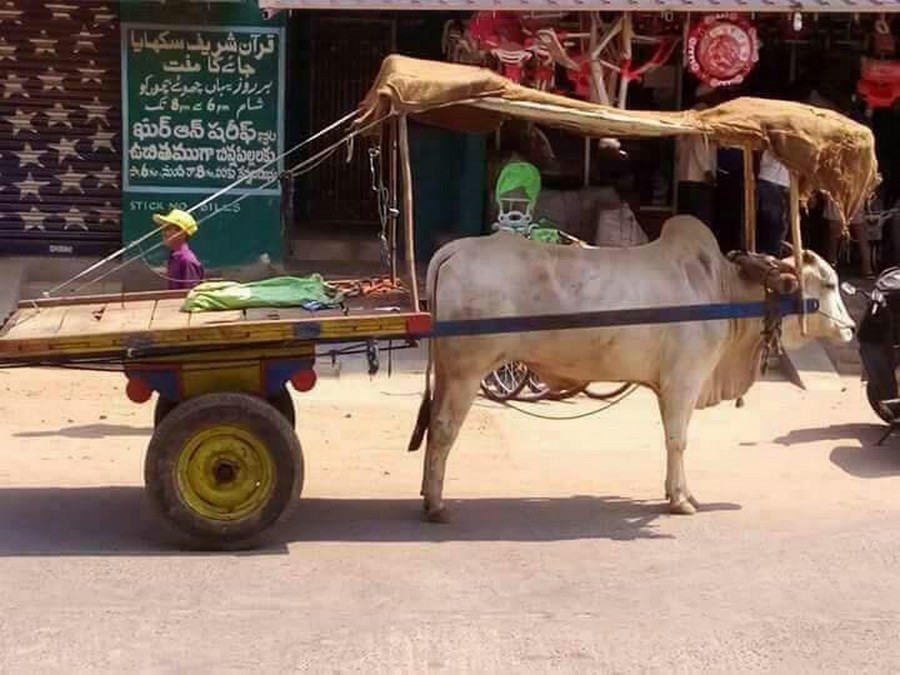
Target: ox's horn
x,y
787,246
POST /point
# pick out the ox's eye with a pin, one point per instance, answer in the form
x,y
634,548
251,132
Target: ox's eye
x,y
830,287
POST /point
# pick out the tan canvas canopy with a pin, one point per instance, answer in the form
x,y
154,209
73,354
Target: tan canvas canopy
x,y
826,150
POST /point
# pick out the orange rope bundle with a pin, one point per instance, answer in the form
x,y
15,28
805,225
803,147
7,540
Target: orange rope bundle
x,y
369,286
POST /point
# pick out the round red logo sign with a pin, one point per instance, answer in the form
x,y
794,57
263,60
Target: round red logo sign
x,y
721,49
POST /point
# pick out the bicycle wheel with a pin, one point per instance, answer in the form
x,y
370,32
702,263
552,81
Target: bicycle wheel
x,y
606,395
505,383
539,391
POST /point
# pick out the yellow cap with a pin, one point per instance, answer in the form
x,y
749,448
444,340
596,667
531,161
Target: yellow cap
x,y
183,220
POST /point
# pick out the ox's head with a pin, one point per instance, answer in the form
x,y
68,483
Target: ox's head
x,y
832,321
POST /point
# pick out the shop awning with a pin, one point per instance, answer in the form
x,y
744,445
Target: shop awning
x,y
588,5
827,150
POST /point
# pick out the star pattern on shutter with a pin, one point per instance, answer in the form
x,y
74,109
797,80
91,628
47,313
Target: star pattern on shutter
x,y
60,159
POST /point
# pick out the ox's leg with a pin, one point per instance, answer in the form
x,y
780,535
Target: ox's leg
x,y
676,406
452,400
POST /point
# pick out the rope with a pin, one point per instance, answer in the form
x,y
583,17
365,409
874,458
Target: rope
x,y
568,418
137,242
301,168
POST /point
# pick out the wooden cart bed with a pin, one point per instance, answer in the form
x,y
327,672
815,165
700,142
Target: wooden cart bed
x,y
130,324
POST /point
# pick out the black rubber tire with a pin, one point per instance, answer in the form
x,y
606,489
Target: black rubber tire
x,y
163,407
245,411
874,399
284,403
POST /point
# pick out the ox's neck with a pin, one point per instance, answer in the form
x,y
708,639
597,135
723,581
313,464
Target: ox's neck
x,y
739,361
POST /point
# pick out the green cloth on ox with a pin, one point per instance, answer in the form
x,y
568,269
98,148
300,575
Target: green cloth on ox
x,y
310,292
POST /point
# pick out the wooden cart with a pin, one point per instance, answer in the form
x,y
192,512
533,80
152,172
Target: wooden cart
x,y
224,462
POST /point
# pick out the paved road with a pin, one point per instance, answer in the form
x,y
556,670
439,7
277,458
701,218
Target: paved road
x,y
560,556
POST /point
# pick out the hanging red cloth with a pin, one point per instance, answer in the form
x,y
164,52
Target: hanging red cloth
x,y
879,83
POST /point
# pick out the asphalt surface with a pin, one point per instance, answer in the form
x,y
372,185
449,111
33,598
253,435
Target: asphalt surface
x,y
560,556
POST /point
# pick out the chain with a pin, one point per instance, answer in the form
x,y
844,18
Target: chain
x,y
382,195
771,333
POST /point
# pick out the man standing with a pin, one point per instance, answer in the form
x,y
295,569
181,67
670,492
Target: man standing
x,y
695,160
771,204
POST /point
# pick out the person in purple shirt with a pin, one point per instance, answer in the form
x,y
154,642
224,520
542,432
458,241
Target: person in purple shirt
x,y
184,270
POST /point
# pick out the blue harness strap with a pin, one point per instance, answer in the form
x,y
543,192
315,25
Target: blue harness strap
x,y
787,305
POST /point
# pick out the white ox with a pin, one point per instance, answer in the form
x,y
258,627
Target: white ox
x,y
688,365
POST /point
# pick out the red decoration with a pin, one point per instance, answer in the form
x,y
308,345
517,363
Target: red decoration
x,y
722,49
880,82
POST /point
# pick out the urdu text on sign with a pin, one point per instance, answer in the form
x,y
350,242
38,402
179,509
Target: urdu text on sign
x,y
204,107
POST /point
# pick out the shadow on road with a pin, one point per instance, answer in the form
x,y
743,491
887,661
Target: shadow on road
x,y
116,521
869,461
89,431
865,460
865,434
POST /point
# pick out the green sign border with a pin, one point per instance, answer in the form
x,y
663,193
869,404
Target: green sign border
x,y
126,28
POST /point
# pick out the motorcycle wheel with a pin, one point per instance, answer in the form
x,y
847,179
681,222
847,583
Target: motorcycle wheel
x,y
874,400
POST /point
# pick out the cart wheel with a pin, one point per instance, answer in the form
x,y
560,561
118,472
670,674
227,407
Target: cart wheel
x,y
221,468
283,403
163,407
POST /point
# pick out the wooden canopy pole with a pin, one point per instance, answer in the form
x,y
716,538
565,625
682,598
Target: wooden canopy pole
x,y
798,245
392,199
408,219
749,200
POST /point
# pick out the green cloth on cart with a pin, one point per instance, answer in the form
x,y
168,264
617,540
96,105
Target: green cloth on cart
x,y
548,235
308,292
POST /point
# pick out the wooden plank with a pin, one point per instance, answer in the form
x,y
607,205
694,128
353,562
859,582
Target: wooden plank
x,y
81,319
128,317
168,315
102,298
214,318
37,322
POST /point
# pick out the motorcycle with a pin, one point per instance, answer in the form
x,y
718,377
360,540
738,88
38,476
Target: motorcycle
x,y
878,335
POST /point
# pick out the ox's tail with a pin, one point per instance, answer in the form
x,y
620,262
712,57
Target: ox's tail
x,y
423,420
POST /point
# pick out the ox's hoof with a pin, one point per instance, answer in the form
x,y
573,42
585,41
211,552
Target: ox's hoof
x,y
683,506
438,515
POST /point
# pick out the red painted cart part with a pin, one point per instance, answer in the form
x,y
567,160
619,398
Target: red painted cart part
x,y
420,324
304,380
137,390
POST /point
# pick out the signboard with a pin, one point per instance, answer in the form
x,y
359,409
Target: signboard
x,y
203,107
722,49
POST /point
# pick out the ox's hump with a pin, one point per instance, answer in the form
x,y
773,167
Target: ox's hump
x,y
688,234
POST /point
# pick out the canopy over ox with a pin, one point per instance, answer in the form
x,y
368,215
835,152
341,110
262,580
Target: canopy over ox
x,y
688,365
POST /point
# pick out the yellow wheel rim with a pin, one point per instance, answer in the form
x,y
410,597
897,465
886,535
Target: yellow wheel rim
x,y
225,473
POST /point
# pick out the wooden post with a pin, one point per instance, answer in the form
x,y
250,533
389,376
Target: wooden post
x,y
627,36
749,200
408,219
797,244
392,200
